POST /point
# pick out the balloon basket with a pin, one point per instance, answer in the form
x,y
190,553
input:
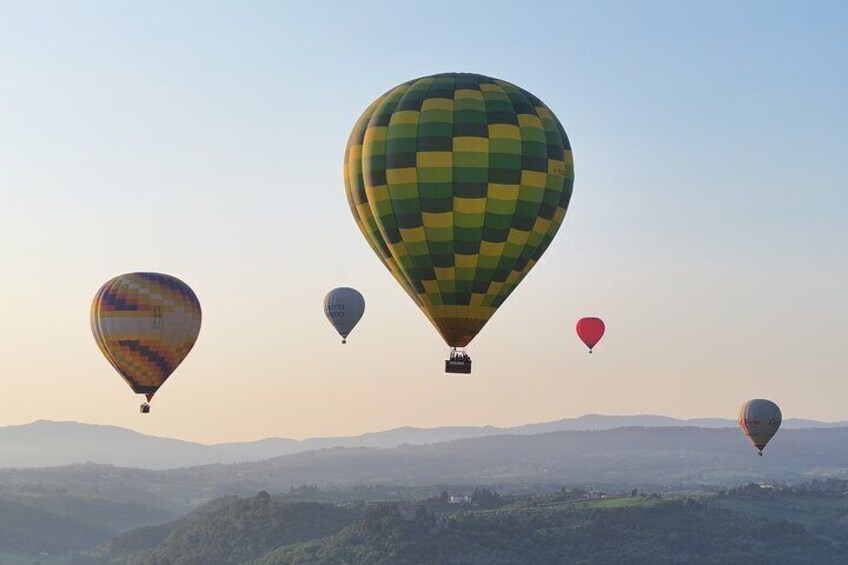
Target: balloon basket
x,y
144,408
459,362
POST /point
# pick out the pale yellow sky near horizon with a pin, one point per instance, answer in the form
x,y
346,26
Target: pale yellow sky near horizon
x,y
290,376
707,225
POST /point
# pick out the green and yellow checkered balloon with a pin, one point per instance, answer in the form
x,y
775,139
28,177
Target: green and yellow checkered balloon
x,y
459,182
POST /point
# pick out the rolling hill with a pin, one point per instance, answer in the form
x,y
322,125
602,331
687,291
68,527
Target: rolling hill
x,y
803,524
618,457
44,443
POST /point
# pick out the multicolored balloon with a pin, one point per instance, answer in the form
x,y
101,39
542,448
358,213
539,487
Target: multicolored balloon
x,y
145,324
760,420
459,182
344,308
590,331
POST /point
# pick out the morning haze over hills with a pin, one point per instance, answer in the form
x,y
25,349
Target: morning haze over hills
x,y
430,495
47,443
605,455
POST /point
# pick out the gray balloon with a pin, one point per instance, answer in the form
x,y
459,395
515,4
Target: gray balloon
x,y
760,419
344,308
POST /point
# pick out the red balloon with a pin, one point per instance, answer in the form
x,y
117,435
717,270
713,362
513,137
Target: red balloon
x,y
590,330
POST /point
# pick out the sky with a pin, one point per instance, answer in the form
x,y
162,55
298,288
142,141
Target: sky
x,y
205,140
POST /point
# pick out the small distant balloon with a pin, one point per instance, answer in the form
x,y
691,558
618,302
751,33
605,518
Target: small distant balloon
x,y
590,331
344,308
760,420
145,324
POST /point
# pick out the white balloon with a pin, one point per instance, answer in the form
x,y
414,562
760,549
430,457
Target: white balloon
x,y
760,420
344,308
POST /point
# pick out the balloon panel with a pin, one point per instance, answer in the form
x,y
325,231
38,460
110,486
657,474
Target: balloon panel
x,y
344,308
145,324
459,182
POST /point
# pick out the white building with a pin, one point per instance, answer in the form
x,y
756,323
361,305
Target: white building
x,y
459,499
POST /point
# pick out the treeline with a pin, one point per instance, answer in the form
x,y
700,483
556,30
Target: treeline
x,y
565,527
642,530
816,486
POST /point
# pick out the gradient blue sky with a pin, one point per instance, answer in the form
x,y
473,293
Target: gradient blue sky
x,y
205,139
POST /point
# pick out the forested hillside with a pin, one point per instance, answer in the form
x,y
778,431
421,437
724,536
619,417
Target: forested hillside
x,y
753,524
36,520
233,530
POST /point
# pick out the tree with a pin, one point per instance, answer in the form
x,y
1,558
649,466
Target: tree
x,y
485,498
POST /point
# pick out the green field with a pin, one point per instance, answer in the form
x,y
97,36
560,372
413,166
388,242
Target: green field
x,y
614,502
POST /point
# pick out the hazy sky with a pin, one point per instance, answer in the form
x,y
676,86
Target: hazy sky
x,y
205,140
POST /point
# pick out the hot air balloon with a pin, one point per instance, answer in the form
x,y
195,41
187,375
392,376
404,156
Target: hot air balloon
x,y
760,420
590,330
344,308
459,182
145,324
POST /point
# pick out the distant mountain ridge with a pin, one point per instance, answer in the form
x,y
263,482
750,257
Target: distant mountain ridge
x,y
46,443
685,457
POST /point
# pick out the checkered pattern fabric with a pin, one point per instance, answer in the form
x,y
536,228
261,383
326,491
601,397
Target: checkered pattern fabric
x,y
459,182
145,324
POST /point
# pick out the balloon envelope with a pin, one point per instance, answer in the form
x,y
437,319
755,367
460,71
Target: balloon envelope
x,y
590,331
760,420
459,182
145,324
344,308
